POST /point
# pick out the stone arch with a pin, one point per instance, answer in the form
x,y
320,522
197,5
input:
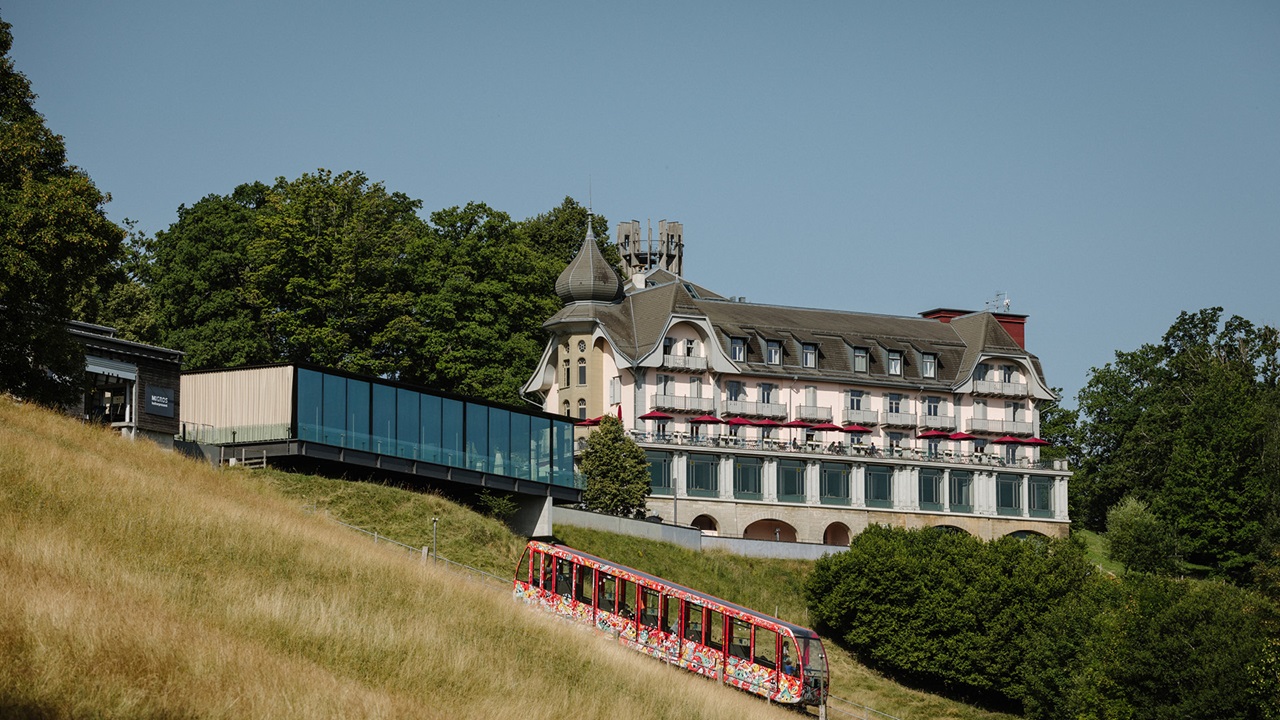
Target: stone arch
x,y
837,533
770,529
1027,535
949,529
706,524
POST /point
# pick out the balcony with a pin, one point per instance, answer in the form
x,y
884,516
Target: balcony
x,y
938,422
684,362
679,403
861,417
897,419
1001,427
1002,389
755,409
813,412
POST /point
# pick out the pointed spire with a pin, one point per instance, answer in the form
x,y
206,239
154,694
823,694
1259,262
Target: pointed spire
x,y
588,276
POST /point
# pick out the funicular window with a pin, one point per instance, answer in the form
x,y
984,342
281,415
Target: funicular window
x,y
564,577
715,630
606,594
694,616
766,648
584,583
740,641
790,664
649,606
627,591
528,571
540,567
670,614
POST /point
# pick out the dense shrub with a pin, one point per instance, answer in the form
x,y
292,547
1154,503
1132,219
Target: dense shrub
x,y
1032,623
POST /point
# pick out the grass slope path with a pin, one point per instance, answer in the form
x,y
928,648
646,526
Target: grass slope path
x,y
137,584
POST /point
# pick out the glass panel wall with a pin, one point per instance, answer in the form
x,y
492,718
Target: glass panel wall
x,y
1008,494
379,417
961,491
930,489
702,475
746,478
834,488
879,486
1041,496
791,481
659,472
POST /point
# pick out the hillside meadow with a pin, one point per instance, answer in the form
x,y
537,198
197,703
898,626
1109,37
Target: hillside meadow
x,y
139,584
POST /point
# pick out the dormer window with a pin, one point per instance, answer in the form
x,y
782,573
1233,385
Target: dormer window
x,y
773,354
895,362
860,360
668,346
688,348
737,349
929,365
1006,372
809,355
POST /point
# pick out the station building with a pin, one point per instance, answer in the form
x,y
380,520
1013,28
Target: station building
x,y
130,386
790,423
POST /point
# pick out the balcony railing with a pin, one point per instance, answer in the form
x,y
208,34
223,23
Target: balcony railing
x,y
1003,427
861,417
813,412
898,419
684,362
755,409
680,403
938,422
1006,389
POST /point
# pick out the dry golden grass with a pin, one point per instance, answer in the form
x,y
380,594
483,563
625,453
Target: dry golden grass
x,y
135,583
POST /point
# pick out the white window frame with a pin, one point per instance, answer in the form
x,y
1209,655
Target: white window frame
x,y
855,399
861,360
929,365
895,362
809,355
737,349
773,352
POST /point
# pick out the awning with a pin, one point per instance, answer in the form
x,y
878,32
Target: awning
x,y
111,368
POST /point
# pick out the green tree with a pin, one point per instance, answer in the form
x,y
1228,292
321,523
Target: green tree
x,y
616,469
1059,426
559,232
1139,540
1188,426
198,279
54,238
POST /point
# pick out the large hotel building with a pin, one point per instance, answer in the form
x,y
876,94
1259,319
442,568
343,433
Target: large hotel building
x,y
772,422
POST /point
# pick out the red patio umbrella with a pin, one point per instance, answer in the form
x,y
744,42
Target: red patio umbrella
x,y
856,428
962,436
766,422
933,435
739,421
1007,440
1036,441
592,422
655,415
826,426
706,420
796,424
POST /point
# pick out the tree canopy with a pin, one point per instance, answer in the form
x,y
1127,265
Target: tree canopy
x,y
616,469
54,238
1190,427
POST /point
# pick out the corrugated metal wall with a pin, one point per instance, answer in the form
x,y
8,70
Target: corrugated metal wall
x,y
256,397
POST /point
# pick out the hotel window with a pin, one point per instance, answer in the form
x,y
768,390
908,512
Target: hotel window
x,y
930,489
773,352
833,484
766,392
961,491
1041,496
666,385
895,362
1006,373
893,403
736,390
811,395
568,412
615,390
860,360
790,481
929,365
809,353
932,406
659,472
695,387
738,349
668,346
1008,494
895,439
879,486
746,478
582,371
582,409
702,475
855,399
980,373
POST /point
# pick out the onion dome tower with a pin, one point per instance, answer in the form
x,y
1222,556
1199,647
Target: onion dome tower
x,y
589,277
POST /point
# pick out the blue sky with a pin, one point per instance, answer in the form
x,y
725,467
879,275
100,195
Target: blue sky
x,y
1106,165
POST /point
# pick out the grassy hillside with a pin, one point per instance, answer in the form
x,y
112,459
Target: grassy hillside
x,y
139,584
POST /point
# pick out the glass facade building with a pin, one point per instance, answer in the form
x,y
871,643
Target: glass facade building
x,y
382,417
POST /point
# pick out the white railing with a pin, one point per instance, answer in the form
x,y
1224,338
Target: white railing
x,y
861,417
813,412
899,419
1009,389
684,362
681,403
938,422
1004,427
755,409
